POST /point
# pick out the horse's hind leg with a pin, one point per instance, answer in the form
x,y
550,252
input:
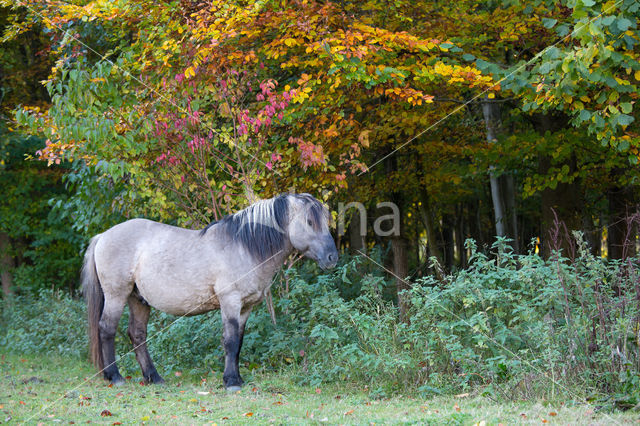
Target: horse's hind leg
x,y
138,319
234,320
111,314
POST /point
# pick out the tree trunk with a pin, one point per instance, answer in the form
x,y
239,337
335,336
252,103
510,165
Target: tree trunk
x,y
561,212
6,264
447,239
357,241
621,232
401,271
460,235
427,219
399,246
502,187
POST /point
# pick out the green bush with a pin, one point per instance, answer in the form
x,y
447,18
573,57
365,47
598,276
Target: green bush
x,y
511,326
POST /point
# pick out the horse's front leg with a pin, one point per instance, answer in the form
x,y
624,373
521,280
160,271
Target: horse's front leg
x,y
234,319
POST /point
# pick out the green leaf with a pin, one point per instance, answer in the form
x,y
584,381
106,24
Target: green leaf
x,y
584,115
549,22
626,107
624,119
623,145
623,24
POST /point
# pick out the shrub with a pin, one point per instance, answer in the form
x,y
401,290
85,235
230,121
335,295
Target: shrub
x,y
511,326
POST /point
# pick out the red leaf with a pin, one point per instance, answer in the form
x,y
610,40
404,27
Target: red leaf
x,y
106,413
22,403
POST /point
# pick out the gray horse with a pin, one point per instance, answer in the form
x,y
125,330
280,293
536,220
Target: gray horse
x,y
228,265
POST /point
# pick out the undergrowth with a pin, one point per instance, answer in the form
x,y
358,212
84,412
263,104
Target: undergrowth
x,y
509,327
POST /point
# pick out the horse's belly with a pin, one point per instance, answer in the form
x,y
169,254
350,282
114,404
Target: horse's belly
x,y
181,301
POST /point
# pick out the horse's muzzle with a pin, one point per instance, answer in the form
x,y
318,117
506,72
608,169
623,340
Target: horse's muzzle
x,y
329,260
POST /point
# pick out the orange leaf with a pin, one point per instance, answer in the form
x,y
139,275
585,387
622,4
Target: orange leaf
x,y
553,414
249,414
348,412
22,403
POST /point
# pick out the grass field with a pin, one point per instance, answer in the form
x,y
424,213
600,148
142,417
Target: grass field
x,y
42,390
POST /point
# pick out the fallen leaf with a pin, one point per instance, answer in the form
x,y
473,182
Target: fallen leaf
x,y
455,407
347,413
225,418
193,400
145,418
22,403
106,413
523,415
318,390
462,395
301,353
178,373
338,397
277,403
545,421
553,414
203,393
116,423
128,378
249,414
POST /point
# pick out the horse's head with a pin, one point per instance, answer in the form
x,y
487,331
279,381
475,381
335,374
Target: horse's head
x,y
309,230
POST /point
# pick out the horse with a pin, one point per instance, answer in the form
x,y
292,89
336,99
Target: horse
x,y
229,265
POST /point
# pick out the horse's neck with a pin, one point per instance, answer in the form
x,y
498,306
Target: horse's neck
x,y
273,264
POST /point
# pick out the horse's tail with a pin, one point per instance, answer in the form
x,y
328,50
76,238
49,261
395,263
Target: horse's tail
x,y
95,302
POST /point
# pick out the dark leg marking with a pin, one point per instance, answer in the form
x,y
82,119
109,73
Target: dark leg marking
x,y
232,342
138,319
108,325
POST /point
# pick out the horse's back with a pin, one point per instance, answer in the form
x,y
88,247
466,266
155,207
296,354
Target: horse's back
x,y
118,250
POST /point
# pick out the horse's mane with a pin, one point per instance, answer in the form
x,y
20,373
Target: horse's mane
x,y
260,228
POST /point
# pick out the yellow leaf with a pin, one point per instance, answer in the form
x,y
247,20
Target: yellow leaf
x,y
364,138
491,95
637,75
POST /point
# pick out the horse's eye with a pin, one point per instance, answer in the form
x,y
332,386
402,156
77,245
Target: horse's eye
x,y
309,222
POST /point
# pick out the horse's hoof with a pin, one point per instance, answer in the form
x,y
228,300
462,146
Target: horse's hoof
x,y
118,382
233,389
156,379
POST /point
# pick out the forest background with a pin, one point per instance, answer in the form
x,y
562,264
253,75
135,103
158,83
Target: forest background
x,y
475,118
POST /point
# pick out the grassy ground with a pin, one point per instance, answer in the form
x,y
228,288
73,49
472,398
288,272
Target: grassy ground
x,y
35,389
